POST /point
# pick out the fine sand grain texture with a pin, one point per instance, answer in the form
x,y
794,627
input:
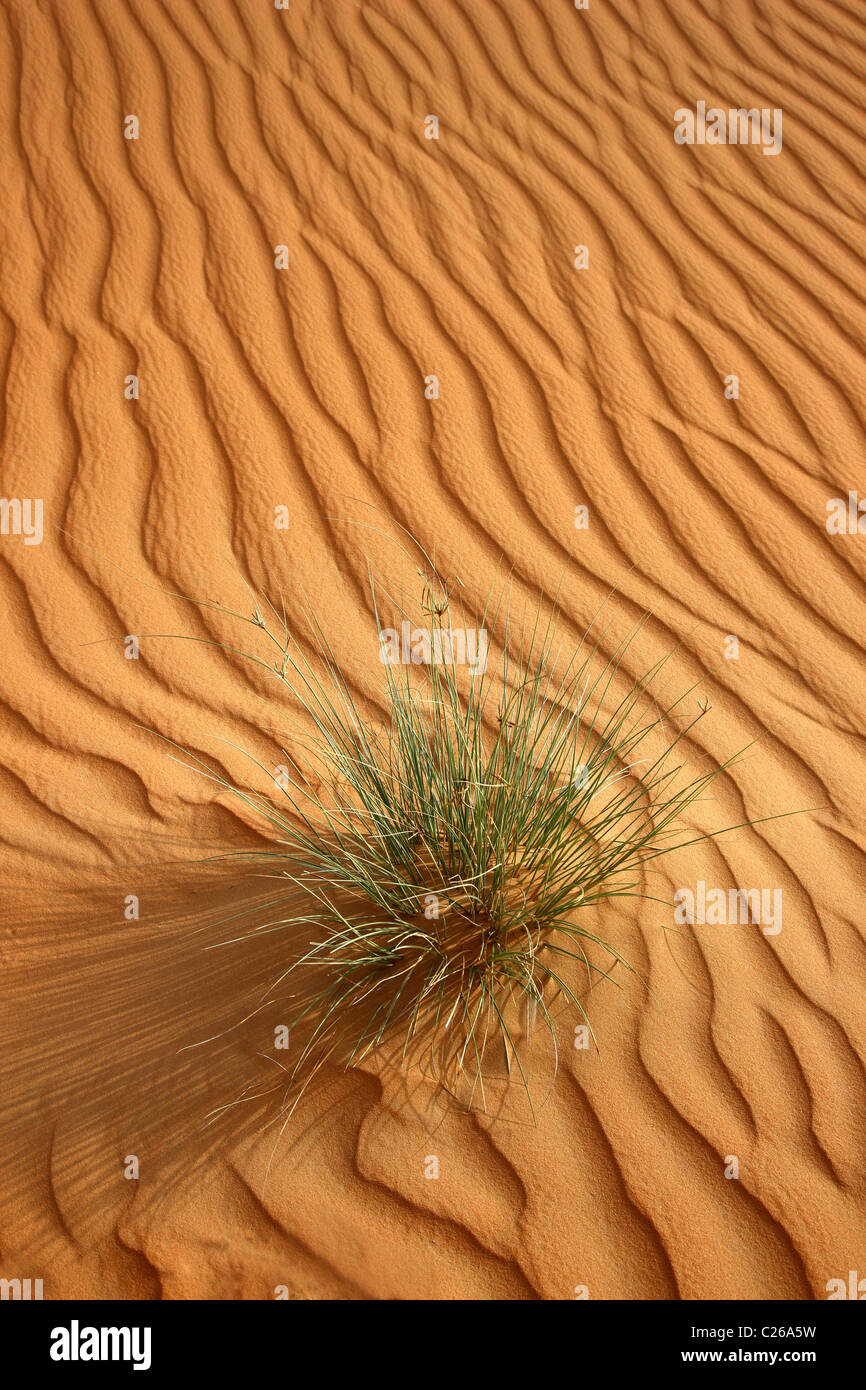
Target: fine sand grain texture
x,y
295,379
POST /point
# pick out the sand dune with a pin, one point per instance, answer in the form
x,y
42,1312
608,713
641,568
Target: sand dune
x,y
295,379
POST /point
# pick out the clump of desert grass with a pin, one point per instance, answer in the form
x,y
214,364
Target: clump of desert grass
x,y
446,848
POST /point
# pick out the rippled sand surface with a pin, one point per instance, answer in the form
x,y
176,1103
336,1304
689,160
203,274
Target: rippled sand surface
x,y
303,387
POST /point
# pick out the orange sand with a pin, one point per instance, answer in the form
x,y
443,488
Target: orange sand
x,y
304,387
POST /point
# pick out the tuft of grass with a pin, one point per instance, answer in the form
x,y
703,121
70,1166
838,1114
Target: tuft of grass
x,y
445,855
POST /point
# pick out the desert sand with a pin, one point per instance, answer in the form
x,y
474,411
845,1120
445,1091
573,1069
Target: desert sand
x,y
282,256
